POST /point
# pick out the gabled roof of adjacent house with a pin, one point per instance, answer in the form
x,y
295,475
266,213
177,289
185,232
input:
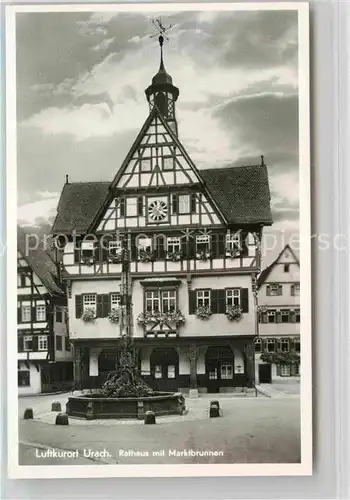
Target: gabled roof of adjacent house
x,y
40,261
242,195
78,206
265,272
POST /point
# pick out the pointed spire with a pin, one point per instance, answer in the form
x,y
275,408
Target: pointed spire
x,y
162,76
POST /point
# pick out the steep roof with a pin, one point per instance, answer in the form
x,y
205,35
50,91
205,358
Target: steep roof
x,y
78,205
265,272
242,193
40,262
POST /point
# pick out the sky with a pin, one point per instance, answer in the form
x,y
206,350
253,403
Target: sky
x,y
80,98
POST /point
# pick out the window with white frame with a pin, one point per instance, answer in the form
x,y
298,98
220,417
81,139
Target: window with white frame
x,y
271,316
271,345
88,249
203,243
168,300
171,371
168,163
152,301
233,297
131,207
145,164
295,289
89,302
114,247
297,315
203,298
258,345
273,290
226,370
284,345
42,343
115,300
233,242
285,370
26,313
41,312
285,315
173,244
213,374
158,371
144,244
27,343
184,204
160,300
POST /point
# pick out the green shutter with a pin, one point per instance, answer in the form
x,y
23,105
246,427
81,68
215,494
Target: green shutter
x,y
20,343
193,203
105,305
244,243
19,316
174,203
214,245
99,311
214,301
160,247
133,248
35,344
221,245
245,300
192,303
78,306
222,301
184,247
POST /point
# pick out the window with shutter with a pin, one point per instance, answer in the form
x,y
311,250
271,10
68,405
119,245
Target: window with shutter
x,y
27,343
203,298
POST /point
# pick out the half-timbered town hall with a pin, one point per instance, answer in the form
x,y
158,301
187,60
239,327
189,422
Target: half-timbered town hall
x,y
194,238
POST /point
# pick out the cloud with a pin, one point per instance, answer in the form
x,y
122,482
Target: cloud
x,y
38,212
81,96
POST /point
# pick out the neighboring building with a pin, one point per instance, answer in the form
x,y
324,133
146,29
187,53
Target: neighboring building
x,y
277,349
194,238
44,351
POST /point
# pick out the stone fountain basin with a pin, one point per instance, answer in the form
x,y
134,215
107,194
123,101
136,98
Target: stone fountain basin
x,y
95,406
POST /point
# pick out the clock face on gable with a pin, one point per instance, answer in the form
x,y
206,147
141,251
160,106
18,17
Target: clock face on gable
x,y
158,209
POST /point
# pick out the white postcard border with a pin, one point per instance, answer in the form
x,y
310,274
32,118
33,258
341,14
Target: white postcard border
x,y
16,471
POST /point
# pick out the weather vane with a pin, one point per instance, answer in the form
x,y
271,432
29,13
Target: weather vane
x,y
161,30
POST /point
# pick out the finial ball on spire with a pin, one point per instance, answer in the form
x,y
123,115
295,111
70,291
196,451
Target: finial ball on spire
x,y
161,40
